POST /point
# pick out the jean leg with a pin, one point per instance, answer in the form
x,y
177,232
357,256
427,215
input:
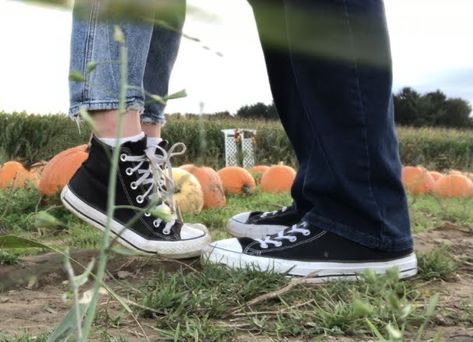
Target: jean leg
x,y
271,23
341,59
163,51
92,41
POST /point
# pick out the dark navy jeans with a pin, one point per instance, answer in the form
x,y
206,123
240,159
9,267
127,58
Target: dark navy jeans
x,y
329,66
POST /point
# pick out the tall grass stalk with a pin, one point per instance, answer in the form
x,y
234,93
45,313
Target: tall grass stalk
x,y
102,259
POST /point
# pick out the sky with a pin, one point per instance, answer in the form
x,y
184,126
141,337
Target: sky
x,y
432,48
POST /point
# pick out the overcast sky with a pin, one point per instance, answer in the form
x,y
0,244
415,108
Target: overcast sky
x,y
432,48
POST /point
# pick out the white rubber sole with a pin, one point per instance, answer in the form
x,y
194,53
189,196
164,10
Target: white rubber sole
x,y
171,249
254,231
317,272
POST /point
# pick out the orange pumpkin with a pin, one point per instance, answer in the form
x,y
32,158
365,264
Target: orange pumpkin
x,y
469,175
187,167
60,169
212,187
237,180
13,174
453,185
417,180
436,175
36,170
259,169
278,178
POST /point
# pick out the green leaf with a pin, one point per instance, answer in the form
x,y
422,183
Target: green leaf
x,y
394,333
162,211
118,35
429,310
12,241
76,76
43,219
180,94
84,114
81,279
91,67
157,99
361,308
124,251
66,328
375,330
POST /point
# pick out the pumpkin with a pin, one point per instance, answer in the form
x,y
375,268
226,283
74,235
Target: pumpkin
x,y
417,180
60,169
436,175
469,175
13,174
36,170
278,178
211,184
237,180
188,195
453,185
259,169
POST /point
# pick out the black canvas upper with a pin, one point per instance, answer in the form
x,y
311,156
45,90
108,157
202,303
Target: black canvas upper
x,y
287,217
319,245
90,184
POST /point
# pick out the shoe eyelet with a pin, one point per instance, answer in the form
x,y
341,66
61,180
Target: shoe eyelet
x,y
139,199
279,245
293,239
133,186
166,231
306,233
264,246
156,223
123,157
147,214
129,171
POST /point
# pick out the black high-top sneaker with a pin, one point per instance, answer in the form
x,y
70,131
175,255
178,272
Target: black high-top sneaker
x,y
304,250
258,224
86,196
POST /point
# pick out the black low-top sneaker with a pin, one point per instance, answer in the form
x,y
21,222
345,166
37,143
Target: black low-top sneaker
x,y
258,224
86,196
304,250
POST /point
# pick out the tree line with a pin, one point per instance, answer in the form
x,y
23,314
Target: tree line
x,y
432,109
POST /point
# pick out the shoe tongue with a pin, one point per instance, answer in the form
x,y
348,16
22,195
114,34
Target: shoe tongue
x,y
136,147
162,146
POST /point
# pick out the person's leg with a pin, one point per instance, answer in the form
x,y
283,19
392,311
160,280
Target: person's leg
x,y
86,195
271,23
339,53
163,50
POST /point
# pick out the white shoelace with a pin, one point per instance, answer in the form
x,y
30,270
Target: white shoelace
x,y
283,209
158,176
287,234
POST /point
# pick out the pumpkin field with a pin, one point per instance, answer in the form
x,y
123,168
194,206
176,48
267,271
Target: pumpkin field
x,y
157,299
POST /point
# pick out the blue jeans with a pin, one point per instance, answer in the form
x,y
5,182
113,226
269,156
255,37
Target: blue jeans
x,y
330,72
152,51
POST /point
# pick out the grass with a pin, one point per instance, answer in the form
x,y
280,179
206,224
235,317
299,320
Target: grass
x,y
18,209
212,303
437,264
219,295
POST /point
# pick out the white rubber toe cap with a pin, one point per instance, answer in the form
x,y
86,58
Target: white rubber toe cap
x,y
241,218
198,226
190,232
230,245
238,226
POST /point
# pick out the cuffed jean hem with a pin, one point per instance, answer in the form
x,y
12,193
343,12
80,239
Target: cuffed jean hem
x,y
153,119
130,104
349,233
